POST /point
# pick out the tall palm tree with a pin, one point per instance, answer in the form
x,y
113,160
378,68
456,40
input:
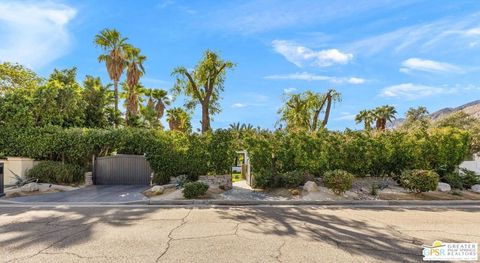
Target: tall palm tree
x,y
179,120
383,115
135,70
113,44
332,97
133,99
161,101
367,117
295,113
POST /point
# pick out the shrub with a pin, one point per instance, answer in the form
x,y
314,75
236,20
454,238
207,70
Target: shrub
x,y
194,189
294,178
338,181
454,179
419,180
469,178
263,179
57,173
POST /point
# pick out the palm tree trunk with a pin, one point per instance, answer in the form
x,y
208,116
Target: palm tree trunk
x,y
205,117
115,94
327,110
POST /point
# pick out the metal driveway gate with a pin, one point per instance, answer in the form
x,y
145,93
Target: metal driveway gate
x,y
122,169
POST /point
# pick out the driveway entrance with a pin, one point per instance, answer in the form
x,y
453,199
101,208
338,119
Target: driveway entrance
x,y
94,193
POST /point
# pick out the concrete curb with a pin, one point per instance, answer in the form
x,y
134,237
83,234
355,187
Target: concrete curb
x,y
216,202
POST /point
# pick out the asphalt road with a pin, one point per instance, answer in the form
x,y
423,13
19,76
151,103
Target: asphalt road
x,y
239,234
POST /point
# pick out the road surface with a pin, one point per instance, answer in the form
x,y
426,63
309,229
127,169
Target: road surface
x,y
220,234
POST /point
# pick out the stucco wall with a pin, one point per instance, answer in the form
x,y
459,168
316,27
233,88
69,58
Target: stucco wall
x,y
18,165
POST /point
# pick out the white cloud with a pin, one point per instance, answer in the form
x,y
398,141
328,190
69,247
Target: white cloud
x,y
413,91
289,90
473,32
34,34
355,80
301,56
346,116
314,77
428,66
239,105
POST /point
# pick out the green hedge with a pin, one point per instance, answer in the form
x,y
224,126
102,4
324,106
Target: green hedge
x,y
57,173
271,153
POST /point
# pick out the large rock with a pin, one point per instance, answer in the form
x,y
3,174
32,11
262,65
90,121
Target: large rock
x,y
30,187
157,189
444,187
476,188
310,186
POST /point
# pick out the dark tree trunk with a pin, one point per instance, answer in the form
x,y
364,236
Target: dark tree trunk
x,y
115,94
205,117
327,111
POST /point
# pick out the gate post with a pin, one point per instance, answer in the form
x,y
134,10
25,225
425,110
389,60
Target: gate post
x,y
94,178
2,191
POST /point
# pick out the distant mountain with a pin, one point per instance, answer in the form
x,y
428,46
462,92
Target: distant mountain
x,y
471,108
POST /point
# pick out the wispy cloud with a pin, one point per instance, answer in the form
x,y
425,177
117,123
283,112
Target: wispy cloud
x,y
289,90
345,116
301,56
315,77
35,34
412,91
421,37
239,105
428,66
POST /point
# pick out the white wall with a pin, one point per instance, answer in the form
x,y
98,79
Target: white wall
x,y
18,165
472,165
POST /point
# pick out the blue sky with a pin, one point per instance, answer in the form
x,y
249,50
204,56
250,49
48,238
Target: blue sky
x,y
402,53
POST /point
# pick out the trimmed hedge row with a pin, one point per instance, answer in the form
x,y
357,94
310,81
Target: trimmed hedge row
x,y
271,153
359,153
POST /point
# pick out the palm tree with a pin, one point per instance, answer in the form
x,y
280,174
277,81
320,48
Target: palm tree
x,y
238,127
332,96
161,101
179,120
135,69
110,41
383,115
295,113
133,99
367,117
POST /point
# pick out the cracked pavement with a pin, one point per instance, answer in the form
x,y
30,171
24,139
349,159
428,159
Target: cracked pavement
x,y
228,234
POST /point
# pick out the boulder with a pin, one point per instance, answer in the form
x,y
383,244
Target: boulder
x,y
295,192
30,187
167,186
476,188
444,187
157,189
310,186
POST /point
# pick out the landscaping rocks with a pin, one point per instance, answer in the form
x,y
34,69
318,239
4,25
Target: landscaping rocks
x,y
310,186
30,187
476,188
157,189
444,187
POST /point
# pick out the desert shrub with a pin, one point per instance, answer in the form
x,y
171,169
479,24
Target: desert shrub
x,y
194,189
469,178
56,173
419,180
294,178
454,179
338,181
263,179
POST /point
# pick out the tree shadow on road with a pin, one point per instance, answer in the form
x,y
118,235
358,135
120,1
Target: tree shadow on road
x,y
358,237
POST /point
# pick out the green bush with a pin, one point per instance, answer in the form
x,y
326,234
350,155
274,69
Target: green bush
x,y
454,179
194,189
57,173
294,178
469,178
263,180
419,180
338,181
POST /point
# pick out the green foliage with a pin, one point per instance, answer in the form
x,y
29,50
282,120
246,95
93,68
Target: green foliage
x,y
338,181
454,179
469,178
419,180
194,189
56,173
99,103
294,178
